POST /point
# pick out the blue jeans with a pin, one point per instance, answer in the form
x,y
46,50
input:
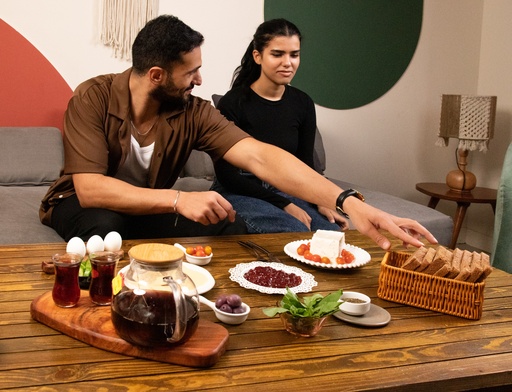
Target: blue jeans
x,y
263,217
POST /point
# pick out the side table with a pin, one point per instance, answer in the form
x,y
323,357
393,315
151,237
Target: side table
x,y
438,191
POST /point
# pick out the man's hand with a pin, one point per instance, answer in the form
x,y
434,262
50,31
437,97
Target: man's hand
x,y
299,214
99,191
205,207
368,220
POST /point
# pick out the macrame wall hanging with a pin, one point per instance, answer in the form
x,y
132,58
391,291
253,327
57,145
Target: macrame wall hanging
x,y
121,21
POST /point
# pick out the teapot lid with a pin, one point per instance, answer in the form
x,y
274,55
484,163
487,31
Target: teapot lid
x,y
155,254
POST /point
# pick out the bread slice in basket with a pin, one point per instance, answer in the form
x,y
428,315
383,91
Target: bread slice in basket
x,y
458,264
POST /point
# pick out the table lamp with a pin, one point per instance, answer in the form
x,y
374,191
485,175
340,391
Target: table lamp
x,y
469,118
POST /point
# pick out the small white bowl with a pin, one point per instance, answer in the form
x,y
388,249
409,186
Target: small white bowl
x,y
197,260
227,318
352,308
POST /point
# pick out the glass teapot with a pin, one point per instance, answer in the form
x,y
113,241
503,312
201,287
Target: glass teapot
x,y
155,304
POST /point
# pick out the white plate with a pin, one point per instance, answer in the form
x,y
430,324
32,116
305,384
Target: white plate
x,y
376,317
362,257
203,280
237,275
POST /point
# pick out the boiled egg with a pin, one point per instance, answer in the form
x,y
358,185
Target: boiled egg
x,y
95,244
113,241
76,245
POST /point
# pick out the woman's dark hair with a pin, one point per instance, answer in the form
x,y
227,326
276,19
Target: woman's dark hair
x,y
248,71
163,41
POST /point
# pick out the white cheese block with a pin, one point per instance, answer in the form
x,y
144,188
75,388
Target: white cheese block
x,y
327,243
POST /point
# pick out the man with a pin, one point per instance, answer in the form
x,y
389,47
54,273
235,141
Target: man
x,y
128,136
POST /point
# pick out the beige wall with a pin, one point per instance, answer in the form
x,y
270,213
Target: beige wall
x,y
388,145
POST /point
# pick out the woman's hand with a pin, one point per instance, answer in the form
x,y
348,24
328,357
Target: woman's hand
x,y
333,217
299,214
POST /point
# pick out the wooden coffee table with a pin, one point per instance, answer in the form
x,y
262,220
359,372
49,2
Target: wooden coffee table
x,y
418,350
440,191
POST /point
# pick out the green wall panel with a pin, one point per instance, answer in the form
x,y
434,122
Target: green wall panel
x,y
353,51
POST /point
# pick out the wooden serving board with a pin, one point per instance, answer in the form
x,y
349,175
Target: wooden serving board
x,y
92,324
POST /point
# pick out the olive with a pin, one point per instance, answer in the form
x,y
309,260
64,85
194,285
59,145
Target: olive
x,y
239,309
226,308
221,301
234,300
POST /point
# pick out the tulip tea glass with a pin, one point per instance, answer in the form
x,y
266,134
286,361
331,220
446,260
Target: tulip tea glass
x,y
66,289
103,270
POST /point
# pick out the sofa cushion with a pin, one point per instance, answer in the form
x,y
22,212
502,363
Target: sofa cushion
x,y
19,210
29,160
199,165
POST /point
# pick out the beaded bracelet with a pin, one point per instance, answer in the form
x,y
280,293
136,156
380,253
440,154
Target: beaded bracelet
x,y
174,208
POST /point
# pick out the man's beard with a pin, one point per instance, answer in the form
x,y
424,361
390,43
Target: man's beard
x,y
163,94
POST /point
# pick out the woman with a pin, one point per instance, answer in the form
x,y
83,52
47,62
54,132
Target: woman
x,y
263,104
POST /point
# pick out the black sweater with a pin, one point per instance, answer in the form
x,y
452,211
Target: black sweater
x,y
289,123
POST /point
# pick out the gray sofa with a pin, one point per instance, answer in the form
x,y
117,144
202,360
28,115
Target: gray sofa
x,y
31,159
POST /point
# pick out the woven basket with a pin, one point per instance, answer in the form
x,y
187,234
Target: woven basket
x,y
457,298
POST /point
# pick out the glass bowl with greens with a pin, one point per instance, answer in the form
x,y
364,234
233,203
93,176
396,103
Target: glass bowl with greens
x,y
305,317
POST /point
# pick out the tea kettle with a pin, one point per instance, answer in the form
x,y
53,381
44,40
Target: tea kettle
x,y
155,303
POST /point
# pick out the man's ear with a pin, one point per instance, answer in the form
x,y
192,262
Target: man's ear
x,y
156,75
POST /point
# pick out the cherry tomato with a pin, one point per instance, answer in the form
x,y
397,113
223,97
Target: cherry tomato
x,y
200,253
301,249
325,260
340,260
190,250
208,250
348,256
316,258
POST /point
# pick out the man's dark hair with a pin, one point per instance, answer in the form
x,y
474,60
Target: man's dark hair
x,y
163,41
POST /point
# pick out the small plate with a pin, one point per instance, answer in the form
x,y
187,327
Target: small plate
x,y
203,280
376,317
237,275
362,257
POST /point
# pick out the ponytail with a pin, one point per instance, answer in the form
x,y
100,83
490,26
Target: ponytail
x,y
248,71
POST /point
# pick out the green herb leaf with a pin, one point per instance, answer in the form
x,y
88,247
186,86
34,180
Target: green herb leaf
x,y
85,267
315,305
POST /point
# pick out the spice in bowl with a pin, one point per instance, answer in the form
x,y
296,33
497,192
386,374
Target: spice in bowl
x,y
354,303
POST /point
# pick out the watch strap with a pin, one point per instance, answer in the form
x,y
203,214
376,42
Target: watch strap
x,y
343,196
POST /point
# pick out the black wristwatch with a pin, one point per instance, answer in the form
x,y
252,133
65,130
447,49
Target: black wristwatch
x,y
341,199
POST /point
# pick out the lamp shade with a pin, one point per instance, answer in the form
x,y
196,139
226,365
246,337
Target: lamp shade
x,y
469,118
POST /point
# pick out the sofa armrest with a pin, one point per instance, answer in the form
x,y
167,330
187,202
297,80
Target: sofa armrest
x,y
439,224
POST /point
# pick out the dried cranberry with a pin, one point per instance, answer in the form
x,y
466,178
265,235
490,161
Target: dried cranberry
x,y
270,277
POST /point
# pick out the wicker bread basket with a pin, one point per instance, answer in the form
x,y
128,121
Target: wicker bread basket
x,y
457,298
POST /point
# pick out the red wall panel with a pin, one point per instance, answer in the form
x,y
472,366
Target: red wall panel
x,y
32,92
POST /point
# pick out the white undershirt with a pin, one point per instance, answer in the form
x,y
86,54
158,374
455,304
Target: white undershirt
x,y
136,167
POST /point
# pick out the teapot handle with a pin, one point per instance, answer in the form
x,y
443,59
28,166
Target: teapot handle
x,y
181,311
